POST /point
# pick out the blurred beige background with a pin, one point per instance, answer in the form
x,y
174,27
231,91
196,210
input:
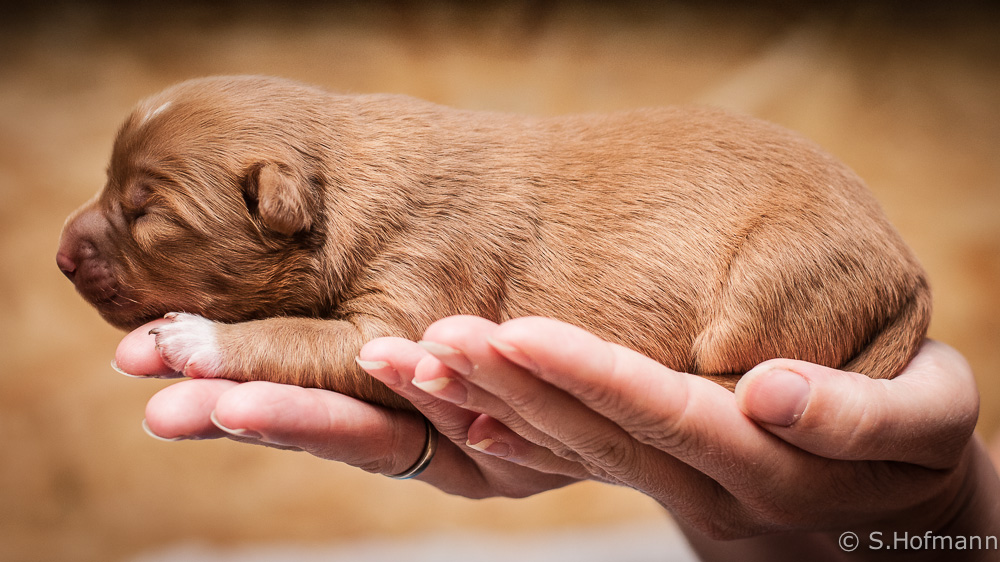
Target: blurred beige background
x,y
910,98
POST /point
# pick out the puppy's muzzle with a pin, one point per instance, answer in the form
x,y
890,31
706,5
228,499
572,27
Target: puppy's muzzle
x,y
83,261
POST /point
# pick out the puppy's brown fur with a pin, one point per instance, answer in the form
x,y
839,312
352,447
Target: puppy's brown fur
x,y
310,223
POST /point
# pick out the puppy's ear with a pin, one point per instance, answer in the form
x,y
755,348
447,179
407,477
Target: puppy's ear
x,y
282,199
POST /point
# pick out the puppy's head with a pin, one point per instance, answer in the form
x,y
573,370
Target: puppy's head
x,y
213,205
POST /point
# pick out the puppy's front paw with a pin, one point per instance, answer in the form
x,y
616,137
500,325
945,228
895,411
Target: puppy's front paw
x,y
189,345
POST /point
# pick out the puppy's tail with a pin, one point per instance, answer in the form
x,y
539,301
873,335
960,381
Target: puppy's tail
x,y
892,348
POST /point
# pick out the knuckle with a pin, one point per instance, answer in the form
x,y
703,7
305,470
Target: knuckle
x,y
396,452
671,431
601,398
617,458
854,428
669,435
565,453
525,401
857,441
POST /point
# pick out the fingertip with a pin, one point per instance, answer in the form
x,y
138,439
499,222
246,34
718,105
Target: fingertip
x,y
380,370
773,395
920,416
513,354
401,354
149,431
183,410
136,354
390,360
523,330
383,349
234,431
530,340
489,436
456,328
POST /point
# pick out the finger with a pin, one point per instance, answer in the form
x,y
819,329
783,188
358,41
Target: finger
x,y
460,342
687,417
183,410
326,424
187,411
136,354
395,361
924,416
602,445
493,438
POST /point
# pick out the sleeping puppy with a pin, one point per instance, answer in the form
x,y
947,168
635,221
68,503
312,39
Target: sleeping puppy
x,y
289,226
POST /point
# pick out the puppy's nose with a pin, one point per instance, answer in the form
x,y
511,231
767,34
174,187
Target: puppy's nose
x,y
76,242
66,264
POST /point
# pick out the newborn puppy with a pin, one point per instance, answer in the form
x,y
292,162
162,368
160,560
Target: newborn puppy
x,y
292,225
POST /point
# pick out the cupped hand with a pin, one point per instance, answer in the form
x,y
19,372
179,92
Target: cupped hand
x,y
535,404
330,425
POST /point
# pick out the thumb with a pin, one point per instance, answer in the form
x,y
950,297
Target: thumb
x,y
924,416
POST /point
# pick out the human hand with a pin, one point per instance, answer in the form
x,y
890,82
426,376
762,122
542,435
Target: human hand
x,y
863,454
798,448
329,425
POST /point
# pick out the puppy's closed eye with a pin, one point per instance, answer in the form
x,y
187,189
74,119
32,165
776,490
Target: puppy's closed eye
x,y
150,223
134,204
147,230
134,216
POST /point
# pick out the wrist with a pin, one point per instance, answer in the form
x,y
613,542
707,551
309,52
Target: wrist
x,y
964,511
961,523
977,515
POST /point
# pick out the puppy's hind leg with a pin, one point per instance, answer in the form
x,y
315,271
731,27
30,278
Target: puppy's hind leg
x,y
813,296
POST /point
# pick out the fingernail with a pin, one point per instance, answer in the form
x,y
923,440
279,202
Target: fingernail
x,y
371,365
232,431
513,354
114,365
444,388
778,397
450,356
149,432
490,447
379,369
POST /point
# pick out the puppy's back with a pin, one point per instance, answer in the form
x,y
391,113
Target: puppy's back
x,y
709,241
